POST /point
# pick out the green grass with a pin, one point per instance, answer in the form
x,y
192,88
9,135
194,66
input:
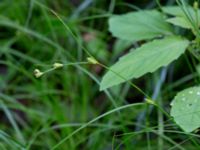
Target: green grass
x,y
64,109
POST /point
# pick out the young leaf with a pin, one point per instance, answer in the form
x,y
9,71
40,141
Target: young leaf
x,y
185,109
181,22
187,18
141,25
174,11
177,11
147,58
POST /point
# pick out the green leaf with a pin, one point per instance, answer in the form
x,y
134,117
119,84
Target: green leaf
x,y
141,25
181,22
174,11
147,58
188,17
177,11
186,109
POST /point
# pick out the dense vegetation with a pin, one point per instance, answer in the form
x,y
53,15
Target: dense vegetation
x,y
57,87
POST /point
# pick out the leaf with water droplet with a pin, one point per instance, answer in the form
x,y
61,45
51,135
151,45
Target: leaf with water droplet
x,y
186,109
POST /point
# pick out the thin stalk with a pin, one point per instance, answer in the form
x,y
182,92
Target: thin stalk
x,y
112,6
148,99
160,127
70,31
133,85
147,125
159,4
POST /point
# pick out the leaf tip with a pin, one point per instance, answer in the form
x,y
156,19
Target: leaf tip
x,y
102,86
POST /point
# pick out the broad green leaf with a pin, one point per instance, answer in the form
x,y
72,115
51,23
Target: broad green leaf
x,y
141,25
180,21
147,58
186,109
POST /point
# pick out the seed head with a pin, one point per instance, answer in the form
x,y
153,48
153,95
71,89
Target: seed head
x,y
92,60
149,101
38,73
57,65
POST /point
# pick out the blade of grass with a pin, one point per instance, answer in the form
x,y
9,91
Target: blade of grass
x,y
94,120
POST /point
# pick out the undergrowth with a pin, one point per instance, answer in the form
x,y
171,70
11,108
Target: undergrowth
x,y
67,45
